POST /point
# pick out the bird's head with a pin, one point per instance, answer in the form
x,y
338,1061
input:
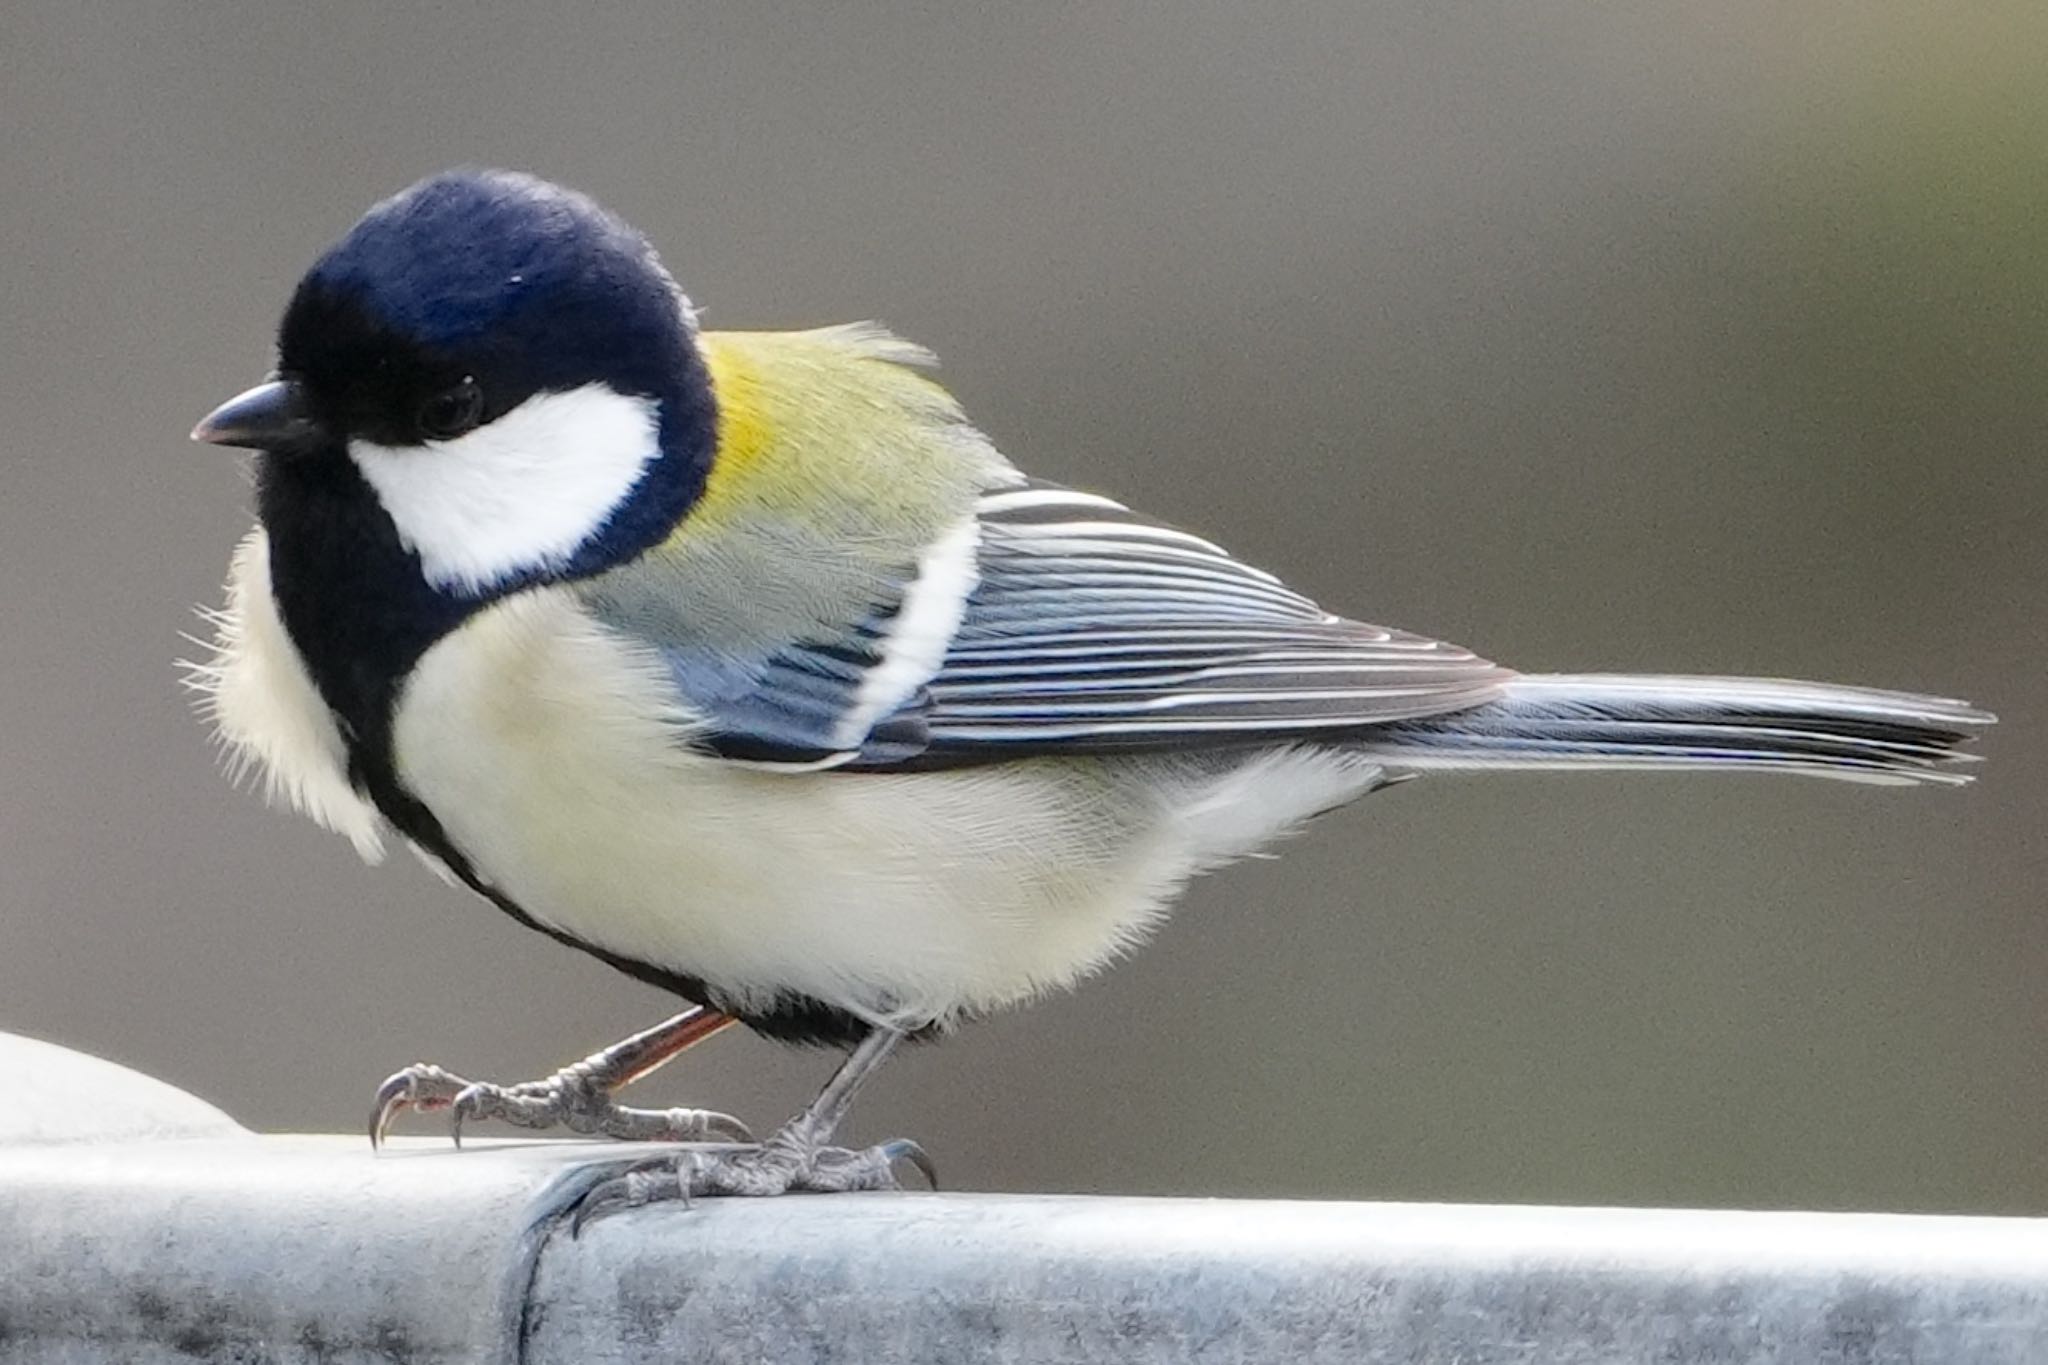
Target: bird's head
x,y
509,371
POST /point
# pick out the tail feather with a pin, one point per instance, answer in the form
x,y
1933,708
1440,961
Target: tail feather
x,y
1595,720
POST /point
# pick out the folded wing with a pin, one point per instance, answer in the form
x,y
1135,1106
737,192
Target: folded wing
x,y
1054,621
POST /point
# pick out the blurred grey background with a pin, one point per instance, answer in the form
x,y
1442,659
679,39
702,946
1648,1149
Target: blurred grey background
x,y
1680,338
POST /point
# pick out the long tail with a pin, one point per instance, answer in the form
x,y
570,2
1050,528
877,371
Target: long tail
x,y
1601,720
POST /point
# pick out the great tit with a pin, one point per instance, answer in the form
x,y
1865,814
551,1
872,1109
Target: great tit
x,y
745,663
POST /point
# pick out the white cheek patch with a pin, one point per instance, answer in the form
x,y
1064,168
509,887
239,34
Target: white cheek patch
x,y
519,494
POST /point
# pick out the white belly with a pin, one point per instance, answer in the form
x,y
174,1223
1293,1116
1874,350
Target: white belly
x,y
549,749
268,714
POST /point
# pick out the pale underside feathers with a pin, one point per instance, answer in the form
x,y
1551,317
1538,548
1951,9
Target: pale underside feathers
x,y
268,716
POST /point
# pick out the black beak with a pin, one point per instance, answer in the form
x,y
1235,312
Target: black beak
x,y
271,416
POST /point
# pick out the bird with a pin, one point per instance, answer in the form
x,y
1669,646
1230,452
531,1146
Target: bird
x,y
747,664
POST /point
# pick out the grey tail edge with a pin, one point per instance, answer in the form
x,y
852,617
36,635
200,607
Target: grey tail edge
x,y
1614,720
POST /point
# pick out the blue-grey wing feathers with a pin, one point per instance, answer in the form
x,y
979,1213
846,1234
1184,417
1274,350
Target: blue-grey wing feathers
x,y
1081,627
1095,628
782,703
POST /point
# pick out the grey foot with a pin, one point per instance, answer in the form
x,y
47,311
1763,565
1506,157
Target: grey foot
x,y
576,1097
787,1163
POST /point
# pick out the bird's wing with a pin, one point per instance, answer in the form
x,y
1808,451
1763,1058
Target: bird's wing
x,y
1054,621
1094,628
842,685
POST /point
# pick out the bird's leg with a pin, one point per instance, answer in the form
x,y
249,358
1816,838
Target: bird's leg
x,y
578,1097
795,1159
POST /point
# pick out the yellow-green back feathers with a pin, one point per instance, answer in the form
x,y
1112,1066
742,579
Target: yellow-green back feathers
x,y
839,468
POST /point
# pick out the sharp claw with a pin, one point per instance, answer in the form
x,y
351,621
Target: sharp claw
x,y
726,1126
401,1091
392,1096
903,1149
628,1190
601,1202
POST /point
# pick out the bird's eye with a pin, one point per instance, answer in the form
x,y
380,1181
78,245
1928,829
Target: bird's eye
x,y
453,411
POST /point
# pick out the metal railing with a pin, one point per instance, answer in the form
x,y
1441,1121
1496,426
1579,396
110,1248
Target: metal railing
x,y
168,1233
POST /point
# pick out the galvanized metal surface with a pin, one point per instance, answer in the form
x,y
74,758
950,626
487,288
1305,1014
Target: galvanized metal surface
x,y
50,1094
221,1245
